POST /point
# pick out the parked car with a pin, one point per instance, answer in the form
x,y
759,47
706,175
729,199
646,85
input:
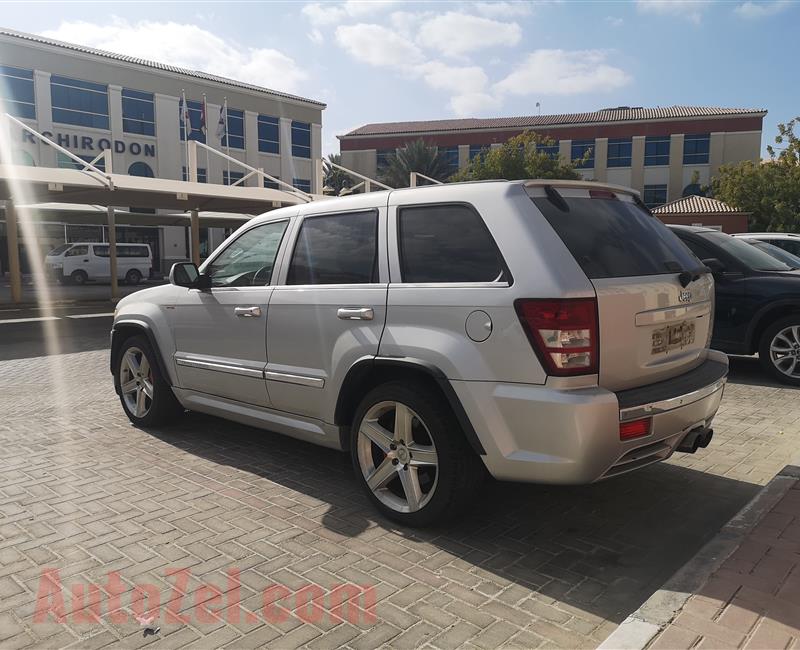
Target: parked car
x,y
81,262
778,253
787,241
758,300
545,331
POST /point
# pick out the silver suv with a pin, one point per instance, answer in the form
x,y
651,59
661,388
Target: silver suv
x,y
545,331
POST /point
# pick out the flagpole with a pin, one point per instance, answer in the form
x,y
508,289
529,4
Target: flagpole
x,y
227,140
205,133
186,131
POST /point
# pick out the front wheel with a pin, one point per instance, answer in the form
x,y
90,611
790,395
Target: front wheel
x,y
411,457
79,277
779,350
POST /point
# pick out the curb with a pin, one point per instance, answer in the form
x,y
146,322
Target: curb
x,y
639,629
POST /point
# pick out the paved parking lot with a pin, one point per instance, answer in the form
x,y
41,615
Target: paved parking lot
x,y
231,536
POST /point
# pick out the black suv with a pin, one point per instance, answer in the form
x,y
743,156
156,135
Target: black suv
x,y
757,300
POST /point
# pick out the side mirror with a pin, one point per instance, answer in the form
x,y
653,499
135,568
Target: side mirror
x,y
186,274
714,265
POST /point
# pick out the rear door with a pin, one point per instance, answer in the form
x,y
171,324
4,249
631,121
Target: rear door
x,y
652,325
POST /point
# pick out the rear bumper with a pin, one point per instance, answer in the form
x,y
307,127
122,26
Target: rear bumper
x,y
544,435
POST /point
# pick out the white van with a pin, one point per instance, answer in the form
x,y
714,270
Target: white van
x,y
79,262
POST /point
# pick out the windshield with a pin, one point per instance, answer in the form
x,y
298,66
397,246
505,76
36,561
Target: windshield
x,y
59,249
750,256
611,238
778,253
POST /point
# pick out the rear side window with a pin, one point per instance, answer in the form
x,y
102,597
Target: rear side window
x,y
101,251
336,249
447,243
610,238
76,251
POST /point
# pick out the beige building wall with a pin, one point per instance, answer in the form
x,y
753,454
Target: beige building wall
x,y
601,159
364,161
675,184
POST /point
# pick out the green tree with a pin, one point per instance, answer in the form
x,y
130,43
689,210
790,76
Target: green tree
x,y
414,157
335,178
520,157
769,190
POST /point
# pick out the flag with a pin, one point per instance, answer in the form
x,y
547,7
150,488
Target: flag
x,y
222,123
183,106
203,127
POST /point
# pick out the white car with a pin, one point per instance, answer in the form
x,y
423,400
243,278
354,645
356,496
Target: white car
x,y
788,241
80,262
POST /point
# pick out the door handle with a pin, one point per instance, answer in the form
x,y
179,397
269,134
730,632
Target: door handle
x,y
357,313
247,312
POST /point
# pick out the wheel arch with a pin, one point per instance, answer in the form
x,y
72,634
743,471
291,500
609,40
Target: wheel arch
x,y
765,317
368,373
122,331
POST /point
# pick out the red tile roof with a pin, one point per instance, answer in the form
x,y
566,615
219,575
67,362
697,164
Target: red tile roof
x,y
606,115
694,205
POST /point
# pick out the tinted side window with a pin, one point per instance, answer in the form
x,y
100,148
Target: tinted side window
x,y
791,246
701,252
75,251
101,251
336,249
447,243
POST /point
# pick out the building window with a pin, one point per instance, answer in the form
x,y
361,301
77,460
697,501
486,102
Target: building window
x,y
656,150
229,178
302,184
140,169
654,195
195,119
619,152
382,158
65,162
450,157
301,139
551,150
271,185
138,112
695,149
16,92
579,149
269,140
477,150
82,103
202,177
235,136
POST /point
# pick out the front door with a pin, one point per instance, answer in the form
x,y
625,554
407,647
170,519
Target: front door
x,y
328,310
220,333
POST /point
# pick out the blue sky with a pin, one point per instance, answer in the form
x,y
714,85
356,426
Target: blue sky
x,y
389,61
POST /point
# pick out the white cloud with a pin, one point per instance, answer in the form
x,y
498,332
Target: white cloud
x,y
377,45
472,104
186,46
455,34
691,10
563,72
329,13
454,79
614,21
316,37
761,9
503,9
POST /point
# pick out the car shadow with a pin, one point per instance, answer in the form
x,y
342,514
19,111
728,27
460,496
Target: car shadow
x,y
748,371
603,548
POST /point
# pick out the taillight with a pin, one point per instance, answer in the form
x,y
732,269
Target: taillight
x,y
563,333
634,429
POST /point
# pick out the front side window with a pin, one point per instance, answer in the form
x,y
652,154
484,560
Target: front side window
x,y
248,261
579,149
269,139
696,148
447,243
619,152
82,103
76,251
138,112
16,92
654,195
656,150
336,249
235,133
301,139
195,121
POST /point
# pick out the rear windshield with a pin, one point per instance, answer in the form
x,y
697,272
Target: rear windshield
x,y
610,238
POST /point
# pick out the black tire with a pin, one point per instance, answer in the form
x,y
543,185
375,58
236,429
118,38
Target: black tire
x,y
460,471
163,407
133,277
78,277
765,357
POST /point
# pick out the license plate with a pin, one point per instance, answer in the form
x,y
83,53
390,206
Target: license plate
x,y
672,337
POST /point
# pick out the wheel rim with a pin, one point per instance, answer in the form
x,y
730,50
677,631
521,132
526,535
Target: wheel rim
x,y
397,457
784,351
136,382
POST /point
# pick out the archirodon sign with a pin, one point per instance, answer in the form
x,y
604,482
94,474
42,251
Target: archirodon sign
x,y
88,143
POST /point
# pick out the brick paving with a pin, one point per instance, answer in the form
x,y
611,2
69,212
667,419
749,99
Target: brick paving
x,y
753,599
246,538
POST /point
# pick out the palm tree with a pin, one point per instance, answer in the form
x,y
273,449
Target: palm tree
x,y
414,157
333,177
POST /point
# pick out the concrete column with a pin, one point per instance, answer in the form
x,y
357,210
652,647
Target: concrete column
x,y
13,252
112,253
285,134
675,184
195,229
637,163
316,154
565,149
115,122
251,145
463,155
170,148
44,117
716,153
601,159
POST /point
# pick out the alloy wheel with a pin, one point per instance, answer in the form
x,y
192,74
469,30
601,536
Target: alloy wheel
x,y
784,351
136,382
397,456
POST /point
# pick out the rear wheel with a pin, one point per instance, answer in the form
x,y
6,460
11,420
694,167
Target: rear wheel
x,y
78,277
779,350
145,394
411,457
133,277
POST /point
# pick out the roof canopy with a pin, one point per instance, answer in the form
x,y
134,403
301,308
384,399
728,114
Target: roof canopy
x,y
695,205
